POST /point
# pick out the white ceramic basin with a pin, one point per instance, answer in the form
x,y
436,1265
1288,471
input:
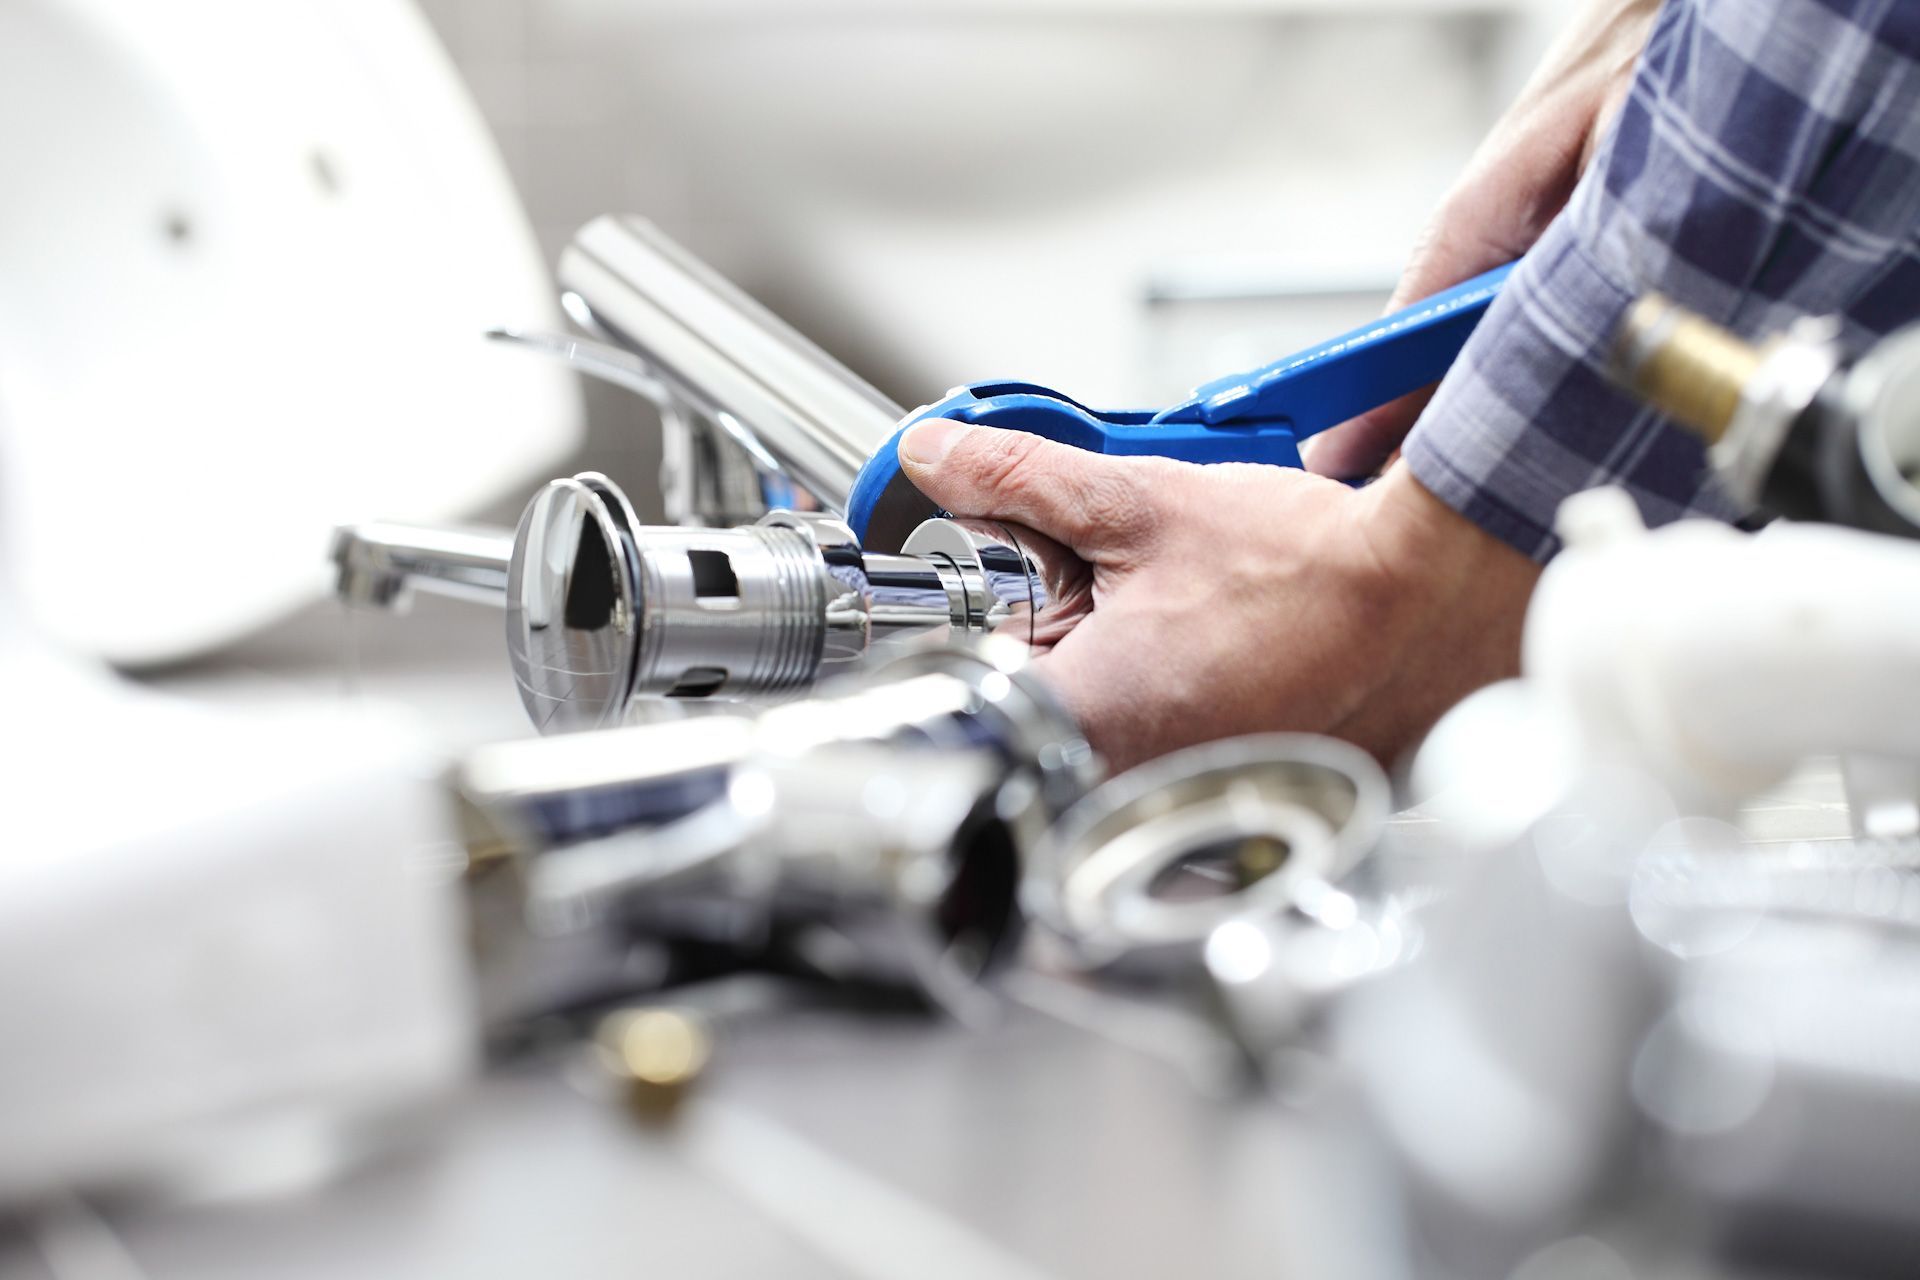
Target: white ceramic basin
x,y
246,254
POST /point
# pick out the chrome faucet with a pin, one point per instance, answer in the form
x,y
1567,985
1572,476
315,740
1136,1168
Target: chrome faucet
x,y
749,407
793,408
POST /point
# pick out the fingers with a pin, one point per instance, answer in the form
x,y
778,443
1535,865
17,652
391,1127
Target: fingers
x,y
1085,500
1361,447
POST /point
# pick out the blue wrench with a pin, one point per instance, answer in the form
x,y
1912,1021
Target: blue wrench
x,y
1259,416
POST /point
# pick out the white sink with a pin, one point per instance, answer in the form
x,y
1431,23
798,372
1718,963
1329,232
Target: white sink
x,y
246,255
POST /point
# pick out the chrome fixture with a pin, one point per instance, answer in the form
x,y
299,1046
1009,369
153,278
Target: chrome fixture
x,y
382,564
1144,870
600,613
601,610
678,333
878,832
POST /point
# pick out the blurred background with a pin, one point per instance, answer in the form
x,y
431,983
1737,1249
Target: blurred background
x,y
1119,198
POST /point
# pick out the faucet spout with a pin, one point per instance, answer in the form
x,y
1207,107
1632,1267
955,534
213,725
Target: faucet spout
x,y
795,409
382,564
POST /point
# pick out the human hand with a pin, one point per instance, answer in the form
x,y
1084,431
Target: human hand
x,y
1229,599
1516,184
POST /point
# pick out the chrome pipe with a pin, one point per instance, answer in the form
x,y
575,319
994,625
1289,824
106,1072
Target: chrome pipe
x,y
380,565
808,859
792,406
876,833
556,792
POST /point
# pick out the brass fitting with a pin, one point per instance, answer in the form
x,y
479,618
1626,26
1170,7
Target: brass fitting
x,y
1688,368
655,1055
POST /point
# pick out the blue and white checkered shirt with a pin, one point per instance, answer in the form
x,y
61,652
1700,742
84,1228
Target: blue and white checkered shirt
x,y
1766,166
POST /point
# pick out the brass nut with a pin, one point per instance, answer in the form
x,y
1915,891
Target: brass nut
x,y
655,1055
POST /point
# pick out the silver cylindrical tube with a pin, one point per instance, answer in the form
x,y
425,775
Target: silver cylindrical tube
x,y
570,790
864,862
719,607
381,564
794,407
878,833
602,611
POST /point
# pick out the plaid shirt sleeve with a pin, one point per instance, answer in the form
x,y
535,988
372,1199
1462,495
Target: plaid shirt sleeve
x,y
1766,165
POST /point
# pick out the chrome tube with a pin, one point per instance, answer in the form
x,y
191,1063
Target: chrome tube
x,y
875,834
795,408
381,564
543,794
812,860
602,611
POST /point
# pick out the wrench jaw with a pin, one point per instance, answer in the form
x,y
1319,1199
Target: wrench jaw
x,y
899,510
1259,416
884,508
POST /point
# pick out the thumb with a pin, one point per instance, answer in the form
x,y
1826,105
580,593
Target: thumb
x,y
1085,500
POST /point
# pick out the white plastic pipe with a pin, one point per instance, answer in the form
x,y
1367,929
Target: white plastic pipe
x,y
1722,659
